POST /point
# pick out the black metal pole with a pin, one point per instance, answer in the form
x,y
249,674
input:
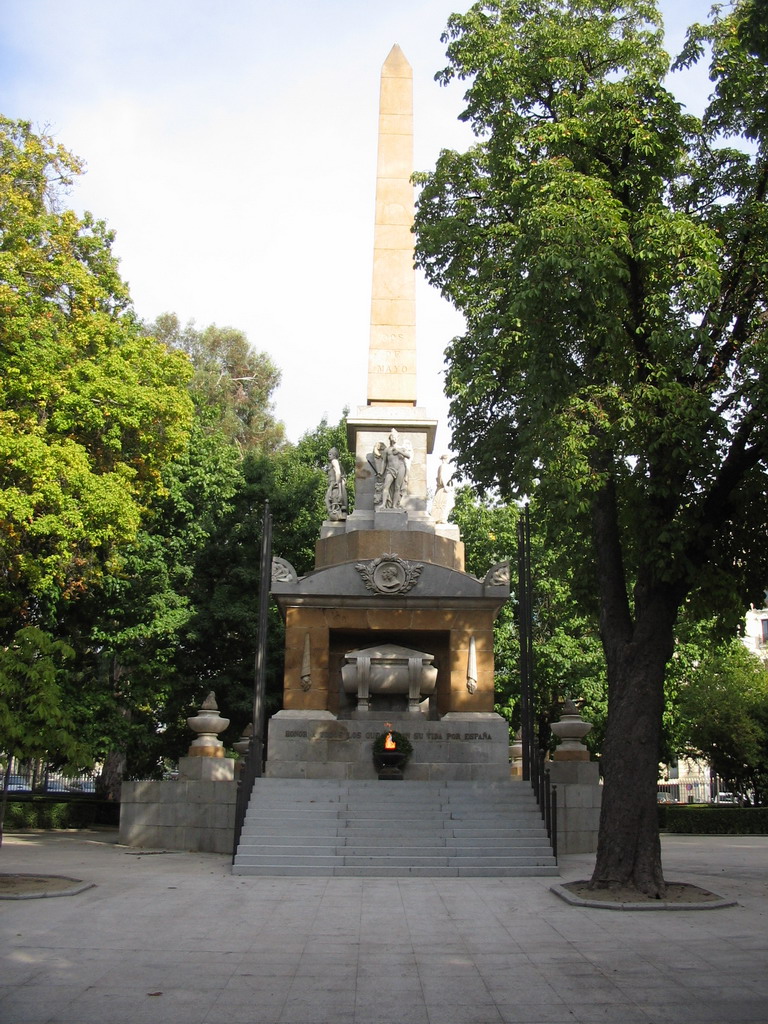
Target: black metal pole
x,y
252,767
525,626
529,634
265,581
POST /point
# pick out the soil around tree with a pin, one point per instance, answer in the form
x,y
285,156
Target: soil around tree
x,y
678,895
21,886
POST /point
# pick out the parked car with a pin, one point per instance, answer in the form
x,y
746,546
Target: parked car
x,y
725,798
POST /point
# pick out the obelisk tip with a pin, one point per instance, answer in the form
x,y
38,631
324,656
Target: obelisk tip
x,y
396,58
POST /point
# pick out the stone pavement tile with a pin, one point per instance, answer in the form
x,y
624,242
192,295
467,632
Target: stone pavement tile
x,y
313,1000
389,952
580,989
463,1012
616,1013
250,1000
322,948
545,1011
181,977
391,999
745,1011
457,993
274,945
131,1005
34,1004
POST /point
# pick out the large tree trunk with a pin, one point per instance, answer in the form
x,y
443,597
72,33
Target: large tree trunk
x,y
629,851
637,647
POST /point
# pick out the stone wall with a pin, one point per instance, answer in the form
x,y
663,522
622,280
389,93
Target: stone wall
x,y
195,812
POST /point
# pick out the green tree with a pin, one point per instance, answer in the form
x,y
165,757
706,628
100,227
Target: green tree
x,y
723,705
90,409
33,717
568,660
232,384
608,251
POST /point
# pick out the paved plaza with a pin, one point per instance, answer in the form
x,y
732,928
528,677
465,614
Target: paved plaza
x,y
162,938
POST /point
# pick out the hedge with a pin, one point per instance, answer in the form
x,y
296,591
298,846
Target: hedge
x,y
45,813
698,819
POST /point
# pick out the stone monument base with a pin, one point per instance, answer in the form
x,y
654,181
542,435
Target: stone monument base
x,y
579,796
456,748
195,812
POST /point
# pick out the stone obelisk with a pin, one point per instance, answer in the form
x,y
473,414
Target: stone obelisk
x,y
391,399
392,350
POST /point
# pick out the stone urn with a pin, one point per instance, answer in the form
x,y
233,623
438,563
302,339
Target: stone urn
x,y
243,744
516,754
207,723
570,731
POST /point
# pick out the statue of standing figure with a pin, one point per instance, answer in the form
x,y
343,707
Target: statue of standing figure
x,y
396,465
444,494
336,494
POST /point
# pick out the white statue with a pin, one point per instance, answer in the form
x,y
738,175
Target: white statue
x,y
336,494
444,493
397,464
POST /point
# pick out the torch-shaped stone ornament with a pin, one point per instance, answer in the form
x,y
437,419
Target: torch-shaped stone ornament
x,y
570,731
207,723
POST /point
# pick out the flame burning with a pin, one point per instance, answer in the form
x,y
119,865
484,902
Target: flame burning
x,y
389,743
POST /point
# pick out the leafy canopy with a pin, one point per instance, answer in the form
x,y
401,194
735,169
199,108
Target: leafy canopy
x,y
609,253
90,409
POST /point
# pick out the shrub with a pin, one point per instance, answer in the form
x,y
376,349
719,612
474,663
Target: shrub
x,y
713,821
52,814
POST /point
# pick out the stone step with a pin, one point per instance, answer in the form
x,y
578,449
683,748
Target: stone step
x,y
296,827
350,871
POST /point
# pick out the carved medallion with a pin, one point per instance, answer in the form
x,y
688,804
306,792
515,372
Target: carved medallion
x,y
389,575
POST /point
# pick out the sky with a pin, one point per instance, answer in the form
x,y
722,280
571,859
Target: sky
x,y
231,146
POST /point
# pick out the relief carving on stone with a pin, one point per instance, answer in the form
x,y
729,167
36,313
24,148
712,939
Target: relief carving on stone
x,y
306,666
389,575
497,575
283,571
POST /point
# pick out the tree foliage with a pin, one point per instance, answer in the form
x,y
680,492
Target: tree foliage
x,y
232,383
34,718
90,409
609,253
724,708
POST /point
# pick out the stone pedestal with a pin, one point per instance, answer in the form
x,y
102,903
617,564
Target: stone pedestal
x,y
195,812
579,796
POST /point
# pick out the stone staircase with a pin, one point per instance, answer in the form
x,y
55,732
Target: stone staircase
x,y
394,830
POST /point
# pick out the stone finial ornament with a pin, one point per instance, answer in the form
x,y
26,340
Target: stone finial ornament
x,y
207,723
244,742
570,731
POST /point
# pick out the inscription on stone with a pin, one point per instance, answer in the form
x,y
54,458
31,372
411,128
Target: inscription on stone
x,y
342,734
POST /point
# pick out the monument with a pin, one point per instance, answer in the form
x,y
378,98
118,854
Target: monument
x,y
389,627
